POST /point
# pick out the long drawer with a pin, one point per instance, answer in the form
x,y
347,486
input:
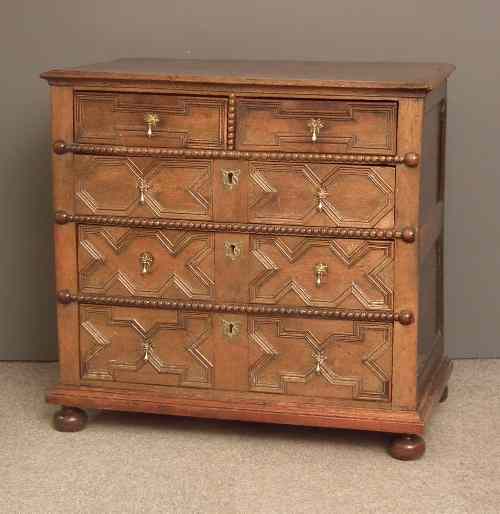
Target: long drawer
x,y
262,269
293,193
311,358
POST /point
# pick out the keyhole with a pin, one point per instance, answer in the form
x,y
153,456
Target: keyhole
x,y
230,179
232,250
230,329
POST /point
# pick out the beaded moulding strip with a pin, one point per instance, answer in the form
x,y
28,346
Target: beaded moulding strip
x,y
406,234
404,317
410,159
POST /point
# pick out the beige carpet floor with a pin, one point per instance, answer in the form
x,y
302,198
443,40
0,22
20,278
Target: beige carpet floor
x,y
144,463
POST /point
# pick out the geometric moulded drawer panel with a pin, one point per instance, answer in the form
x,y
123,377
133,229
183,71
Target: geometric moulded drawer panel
x,y
348,273
122,344
153,262
337,359
143,186
321,194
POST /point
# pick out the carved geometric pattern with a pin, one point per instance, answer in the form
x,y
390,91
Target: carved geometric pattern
x,y
410,159
359,271
356,196
175,188
109,260
185,121
283,125
357,360
116,342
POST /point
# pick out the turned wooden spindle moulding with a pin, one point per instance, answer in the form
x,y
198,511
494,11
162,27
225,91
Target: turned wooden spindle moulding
x,y
254,241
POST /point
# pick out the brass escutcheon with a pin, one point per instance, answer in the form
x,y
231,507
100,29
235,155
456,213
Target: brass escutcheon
x,y
230,179
232,249
231,329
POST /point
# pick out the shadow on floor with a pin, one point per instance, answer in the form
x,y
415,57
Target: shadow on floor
x,y
250,430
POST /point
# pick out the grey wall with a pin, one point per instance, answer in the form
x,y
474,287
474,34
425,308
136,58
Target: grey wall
x,y
38,35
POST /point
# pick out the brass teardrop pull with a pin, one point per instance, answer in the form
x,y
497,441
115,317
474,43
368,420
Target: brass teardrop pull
x,y
320,359
320,272
151,119
321,194
146,261
143,188
315,125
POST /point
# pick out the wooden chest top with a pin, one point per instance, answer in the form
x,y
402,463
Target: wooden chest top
x,y
413,76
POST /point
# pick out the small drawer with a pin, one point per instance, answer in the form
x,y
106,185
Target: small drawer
x,y
317,194
316,272
140,119
325,126
342,359
146,262
142,186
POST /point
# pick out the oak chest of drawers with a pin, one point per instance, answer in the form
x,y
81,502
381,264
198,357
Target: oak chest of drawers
x,y
257,241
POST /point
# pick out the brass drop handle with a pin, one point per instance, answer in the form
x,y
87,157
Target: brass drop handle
x,y
147,348
315,125
320,272
146,261
151,119
143,188
321,195
320,359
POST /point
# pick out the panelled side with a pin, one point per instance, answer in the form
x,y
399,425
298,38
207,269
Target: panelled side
x,y
430,341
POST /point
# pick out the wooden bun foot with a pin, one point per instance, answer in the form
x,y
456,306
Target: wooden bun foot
x,y
407,447
444,396
70,419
